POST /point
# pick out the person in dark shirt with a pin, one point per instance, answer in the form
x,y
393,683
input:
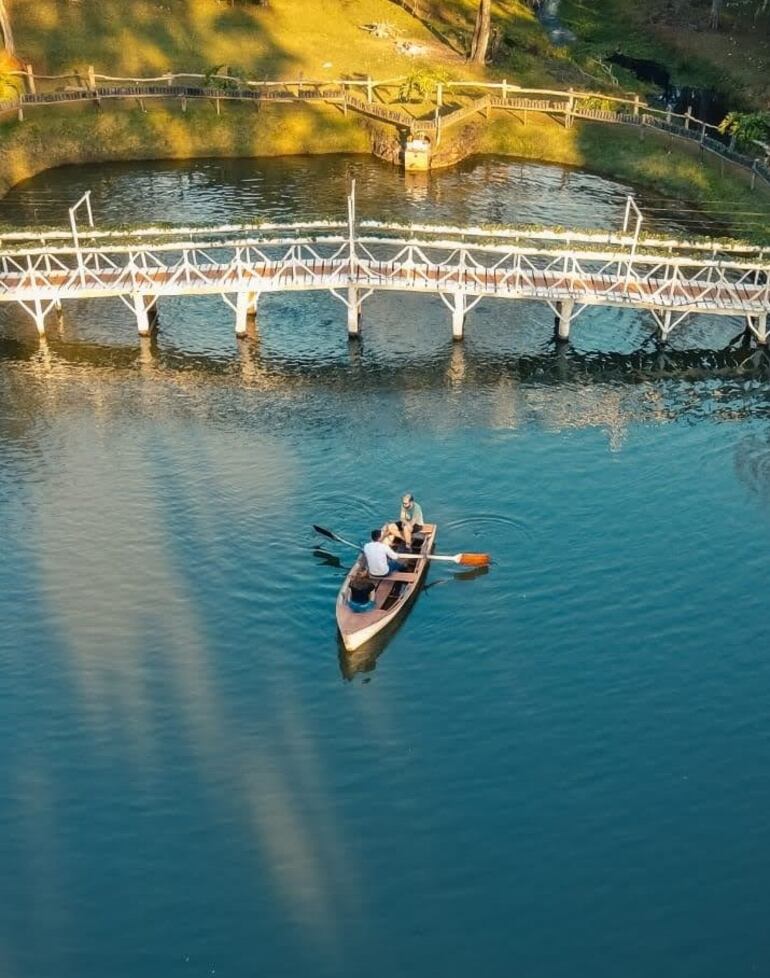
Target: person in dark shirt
x,y
361,588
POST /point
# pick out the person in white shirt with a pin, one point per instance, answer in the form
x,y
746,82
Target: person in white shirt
x,y
380,558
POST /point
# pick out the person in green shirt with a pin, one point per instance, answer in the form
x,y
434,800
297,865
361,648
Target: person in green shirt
x,y
411,517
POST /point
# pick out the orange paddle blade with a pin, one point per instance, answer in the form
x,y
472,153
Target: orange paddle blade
x,y
475,560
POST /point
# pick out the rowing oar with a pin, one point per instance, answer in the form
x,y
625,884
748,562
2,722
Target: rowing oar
x,y
469,560
333,536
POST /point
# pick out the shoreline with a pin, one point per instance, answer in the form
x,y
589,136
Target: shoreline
x,y
71,135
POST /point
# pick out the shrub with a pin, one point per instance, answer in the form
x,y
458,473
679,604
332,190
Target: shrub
x,y
747,127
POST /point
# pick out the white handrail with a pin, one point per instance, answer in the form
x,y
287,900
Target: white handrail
x,y
408,231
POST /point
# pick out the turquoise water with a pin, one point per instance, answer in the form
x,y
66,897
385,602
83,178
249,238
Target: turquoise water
x,y
555,768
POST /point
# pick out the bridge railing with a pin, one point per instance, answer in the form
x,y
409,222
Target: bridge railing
x,y
89,81
425,244
543,237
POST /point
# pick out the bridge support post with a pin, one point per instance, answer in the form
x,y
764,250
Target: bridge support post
x,y
354,312
246,304
458,315
757,325
563,319
146,314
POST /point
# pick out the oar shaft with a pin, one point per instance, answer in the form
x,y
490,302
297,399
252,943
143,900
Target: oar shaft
x,y
333,536
473,560
454,560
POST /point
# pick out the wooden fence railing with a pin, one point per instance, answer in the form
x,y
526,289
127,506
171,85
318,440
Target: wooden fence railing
x,y
375,98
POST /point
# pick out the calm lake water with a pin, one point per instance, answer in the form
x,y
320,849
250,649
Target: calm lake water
x,y
556,768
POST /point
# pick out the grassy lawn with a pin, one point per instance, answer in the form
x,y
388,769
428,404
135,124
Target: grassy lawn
x,y
324,39
320,38
313,38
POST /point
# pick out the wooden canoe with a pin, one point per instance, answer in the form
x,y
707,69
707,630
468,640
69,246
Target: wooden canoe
x,y
392,597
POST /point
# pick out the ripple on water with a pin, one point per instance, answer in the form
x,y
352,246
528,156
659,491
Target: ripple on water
x,y
505,191
752,464
480,522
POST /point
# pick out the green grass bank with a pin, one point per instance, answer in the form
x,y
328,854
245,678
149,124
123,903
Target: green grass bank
x,y
673,167
74,134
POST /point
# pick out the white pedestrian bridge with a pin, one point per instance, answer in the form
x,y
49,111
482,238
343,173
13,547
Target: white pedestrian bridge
x,y
570,271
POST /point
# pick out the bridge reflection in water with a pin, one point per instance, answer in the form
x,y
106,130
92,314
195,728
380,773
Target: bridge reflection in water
x,y
558,387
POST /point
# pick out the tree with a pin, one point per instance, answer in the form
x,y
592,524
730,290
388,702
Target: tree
x,y
747,128
5,29
421,85
483,29
716,9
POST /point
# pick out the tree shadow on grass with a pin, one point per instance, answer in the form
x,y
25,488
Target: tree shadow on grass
x,y
135,37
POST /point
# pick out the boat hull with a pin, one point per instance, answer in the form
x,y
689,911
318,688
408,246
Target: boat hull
x,y
393,595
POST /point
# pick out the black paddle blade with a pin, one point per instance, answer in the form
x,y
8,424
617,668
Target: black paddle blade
x,y
324,532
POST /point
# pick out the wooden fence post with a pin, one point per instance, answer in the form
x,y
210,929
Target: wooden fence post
x,y
703,134
505,90
687,117
636,106
369,90
30,79
91,78
439,95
